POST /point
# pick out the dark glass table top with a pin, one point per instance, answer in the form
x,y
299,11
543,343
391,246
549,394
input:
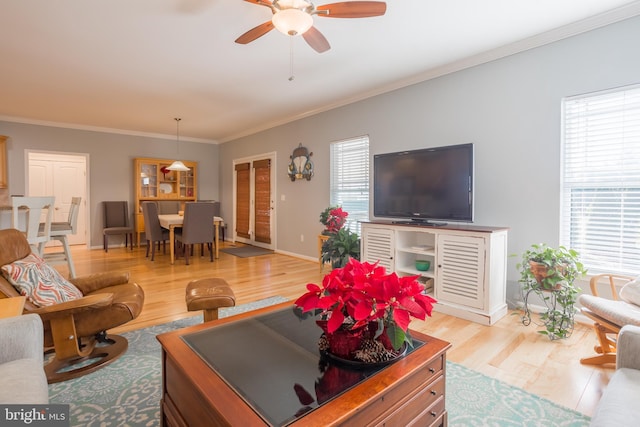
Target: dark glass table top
x,y
272,361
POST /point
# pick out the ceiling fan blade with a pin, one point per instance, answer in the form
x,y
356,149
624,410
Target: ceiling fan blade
x,y
255,33
316,40
352,9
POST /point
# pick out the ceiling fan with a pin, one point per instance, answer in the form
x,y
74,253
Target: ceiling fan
x,y
294,17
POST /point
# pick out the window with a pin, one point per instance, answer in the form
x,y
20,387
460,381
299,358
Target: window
x,y
600,210
350,179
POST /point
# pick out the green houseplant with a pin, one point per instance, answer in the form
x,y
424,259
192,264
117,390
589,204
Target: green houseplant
x,y
550,273
340,246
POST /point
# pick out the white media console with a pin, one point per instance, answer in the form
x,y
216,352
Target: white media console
x,y
468,263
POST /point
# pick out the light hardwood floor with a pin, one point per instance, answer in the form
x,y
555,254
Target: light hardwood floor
x,y
508,351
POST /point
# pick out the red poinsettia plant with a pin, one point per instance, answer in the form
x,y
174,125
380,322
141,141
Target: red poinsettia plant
x,y
333,218
360,293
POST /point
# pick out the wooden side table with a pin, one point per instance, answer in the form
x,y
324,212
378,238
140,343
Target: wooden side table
x,y
10,307
321,239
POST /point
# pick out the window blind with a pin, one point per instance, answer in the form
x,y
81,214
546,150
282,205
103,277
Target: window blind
x,y
600,205
350,179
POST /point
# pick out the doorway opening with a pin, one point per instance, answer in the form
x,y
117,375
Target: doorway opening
x,y
63,175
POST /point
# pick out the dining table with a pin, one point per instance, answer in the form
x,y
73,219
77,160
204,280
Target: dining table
x,y
173,221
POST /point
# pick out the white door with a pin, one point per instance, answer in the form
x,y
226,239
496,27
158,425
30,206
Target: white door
x,y
63,176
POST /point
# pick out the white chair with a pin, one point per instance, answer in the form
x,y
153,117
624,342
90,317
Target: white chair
x,y
38,210
59,232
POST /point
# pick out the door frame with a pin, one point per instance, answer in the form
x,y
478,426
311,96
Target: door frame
x,y
85,197
272,157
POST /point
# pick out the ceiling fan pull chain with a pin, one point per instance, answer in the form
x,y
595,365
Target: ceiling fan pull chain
x,y
291,76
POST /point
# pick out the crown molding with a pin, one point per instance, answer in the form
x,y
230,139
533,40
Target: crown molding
x,y
588,24
28,121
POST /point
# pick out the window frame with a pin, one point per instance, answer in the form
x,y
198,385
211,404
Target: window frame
x,y
600,179
350,174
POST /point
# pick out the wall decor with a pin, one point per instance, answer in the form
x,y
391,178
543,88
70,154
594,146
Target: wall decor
x,y
301,166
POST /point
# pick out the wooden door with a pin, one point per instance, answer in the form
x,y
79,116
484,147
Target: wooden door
x,y
262,204
243,200
254,202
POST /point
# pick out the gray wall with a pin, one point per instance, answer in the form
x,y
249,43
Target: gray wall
x,y
510,108
110,162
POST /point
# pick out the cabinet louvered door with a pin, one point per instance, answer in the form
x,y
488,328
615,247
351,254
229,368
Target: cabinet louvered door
x,y
460,275
378,245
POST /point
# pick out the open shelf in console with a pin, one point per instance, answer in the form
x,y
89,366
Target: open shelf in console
x,y
412,246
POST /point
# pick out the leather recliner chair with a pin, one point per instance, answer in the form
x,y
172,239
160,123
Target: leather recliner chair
x,y
76,330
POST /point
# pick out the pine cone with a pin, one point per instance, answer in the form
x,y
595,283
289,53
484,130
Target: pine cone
x,y
323,343
372,351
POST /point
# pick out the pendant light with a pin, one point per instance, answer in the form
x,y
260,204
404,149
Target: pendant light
x,y
177,165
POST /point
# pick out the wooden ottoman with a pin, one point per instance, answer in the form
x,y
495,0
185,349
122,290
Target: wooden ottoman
x,y
208,295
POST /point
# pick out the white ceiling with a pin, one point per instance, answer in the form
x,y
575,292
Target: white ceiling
x,y
134,65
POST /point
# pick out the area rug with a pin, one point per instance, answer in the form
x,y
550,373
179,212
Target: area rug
x,y
128,391
246,251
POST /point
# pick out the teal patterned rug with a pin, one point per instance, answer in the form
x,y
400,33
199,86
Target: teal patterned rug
x,y
127,392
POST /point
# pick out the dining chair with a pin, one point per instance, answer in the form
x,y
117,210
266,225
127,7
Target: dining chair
x,y
216,213
60,232
116,222
197,227
153,231
223,226
37,210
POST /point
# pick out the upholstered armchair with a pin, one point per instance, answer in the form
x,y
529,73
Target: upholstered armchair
x,y
75,328
23,379
618,406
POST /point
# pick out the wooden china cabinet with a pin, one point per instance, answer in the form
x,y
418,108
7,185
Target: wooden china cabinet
x,y
153,182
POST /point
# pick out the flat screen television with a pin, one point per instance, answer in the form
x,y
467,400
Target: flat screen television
x,y
431,184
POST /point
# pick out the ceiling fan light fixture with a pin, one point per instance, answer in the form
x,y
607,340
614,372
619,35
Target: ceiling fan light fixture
x,y
292,21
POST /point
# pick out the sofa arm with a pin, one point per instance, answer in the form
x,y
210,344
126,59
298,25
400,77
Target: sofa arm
x,y
21,337
628,348
69,308
97,281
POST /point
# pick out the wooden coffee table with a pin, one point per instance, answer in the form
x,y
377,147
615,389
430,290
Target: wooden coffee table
x,y
263,368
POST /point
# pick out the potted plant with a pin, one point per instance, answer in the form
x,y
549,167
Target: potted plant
x,y
550,273
333,218
361,302
340,246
